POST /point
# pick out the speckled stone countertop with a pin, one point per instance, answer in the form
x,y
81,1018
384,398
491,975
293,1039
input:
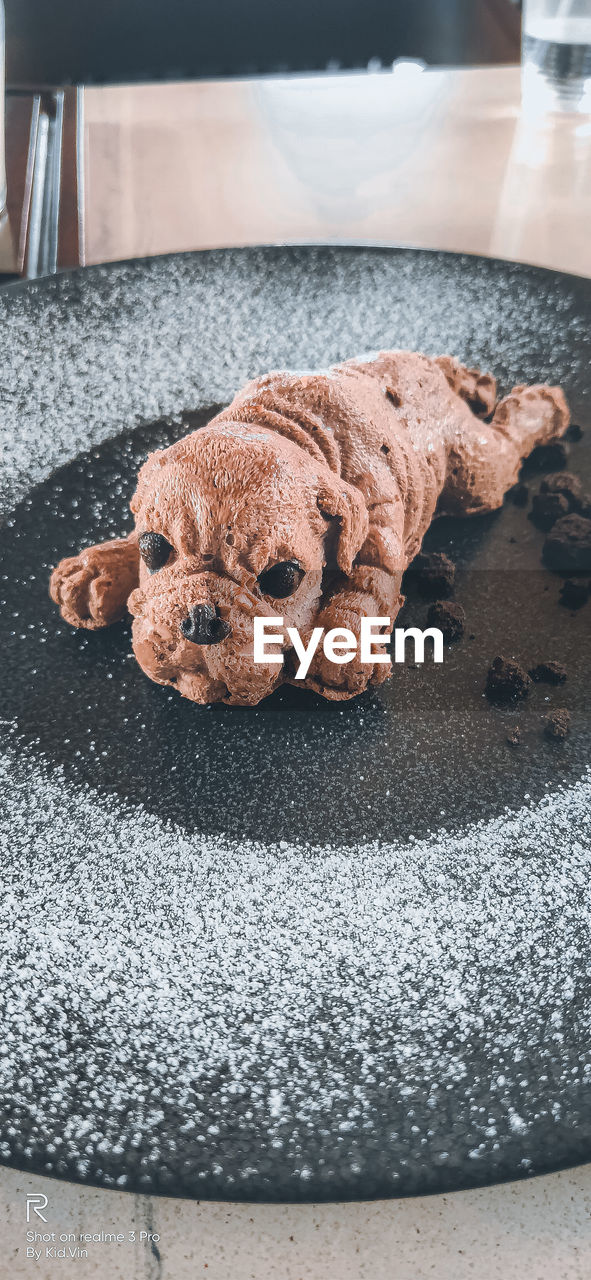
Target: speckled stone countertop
x,y
539,1229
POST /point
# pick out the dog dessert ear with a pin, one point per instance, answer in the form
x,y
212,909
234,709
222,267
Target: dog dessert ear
x,y
339,500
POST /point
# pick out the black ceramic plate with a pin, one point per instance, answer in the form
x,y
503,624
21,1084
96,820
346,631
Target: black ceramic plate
x,y
303,951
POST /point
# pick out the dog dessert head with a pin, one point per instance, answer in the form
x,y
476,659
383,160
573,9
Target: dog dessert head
x,y
233,523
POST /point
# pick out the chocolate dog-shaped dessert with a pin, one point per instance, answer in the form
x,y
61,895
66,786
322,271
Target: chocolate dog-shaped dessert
x,y
306,498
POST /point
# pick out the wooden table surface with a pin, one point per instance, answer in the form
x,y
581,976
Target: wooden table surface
x,y
440,159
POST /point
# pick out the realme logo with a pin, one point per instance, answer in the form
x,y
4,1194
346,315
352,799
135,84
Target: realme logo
x,y
36,1204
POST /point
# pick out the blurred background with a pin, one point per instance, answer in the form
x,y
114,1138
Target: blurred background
x,y
137,127
74,41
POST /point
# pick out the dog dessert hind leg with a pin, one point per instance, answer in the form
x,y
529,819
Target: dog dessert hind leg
x,y
484,458
479,390
92,588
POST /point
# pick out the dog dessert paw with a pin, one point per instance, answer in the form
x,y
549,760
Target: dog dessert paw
x,y
339,680
92,588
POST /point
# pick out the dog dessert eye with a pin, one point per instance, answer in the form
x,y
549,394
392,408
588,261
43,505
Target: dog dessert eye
x,y
282,579
154,550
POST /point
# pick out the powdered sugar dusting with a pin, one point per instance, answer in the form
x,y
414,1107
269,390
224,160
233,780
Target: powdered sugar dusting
x,y
185,1013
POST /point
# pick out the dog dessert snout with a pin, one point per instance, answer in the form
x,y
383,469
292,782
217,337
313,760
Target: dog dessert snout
x,y
203,625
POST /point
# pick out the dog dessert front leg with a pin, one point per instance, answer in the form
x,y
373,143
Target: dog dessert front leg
x,y
366,593
93,587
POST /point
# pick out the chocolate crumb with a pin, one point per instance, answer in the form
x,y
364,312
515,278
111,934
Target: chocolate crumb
x,y
519,495
547,457
547,508
548,672
575,432
506,680
434,574
449,617
565,483
557,724
514,737
573,594
568,546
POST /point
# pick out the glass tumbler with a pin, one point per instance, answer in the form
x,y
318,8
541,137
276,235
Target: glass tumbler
x,y
556,55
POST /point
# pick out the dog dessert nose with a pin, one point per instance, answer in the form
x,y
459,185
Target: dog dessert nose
x,y
204,625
